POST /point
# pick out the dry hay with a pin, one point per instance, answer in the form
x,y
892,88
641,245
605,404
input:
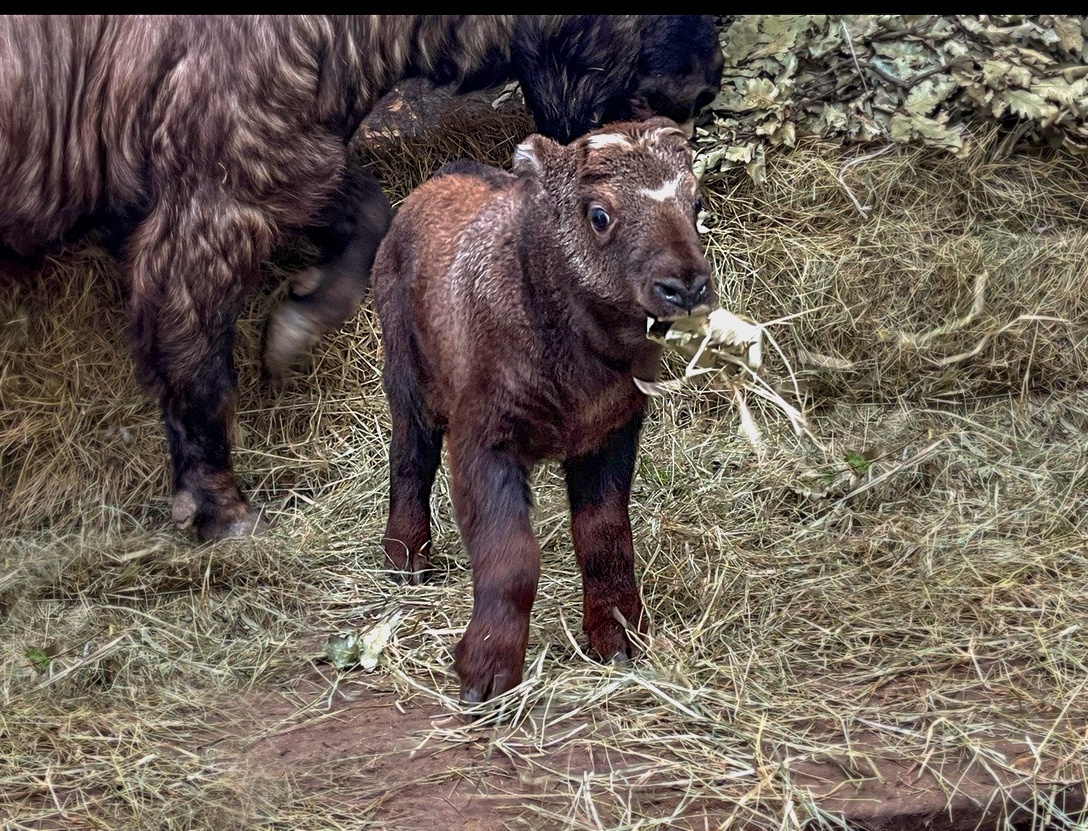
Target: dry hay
x,y
902,608
910,274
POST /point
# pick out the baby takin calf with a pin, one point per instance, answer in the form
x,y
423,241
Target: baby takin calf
x,y
513,310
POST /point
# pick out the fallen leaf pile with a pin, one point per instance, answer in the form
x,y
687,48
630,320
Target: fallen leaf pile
x,y
902,79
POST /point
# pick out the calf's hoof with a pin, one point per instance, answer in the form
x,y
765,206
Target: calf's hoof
x,y
216,522
486,669
608,636
476,693
416,576
411,568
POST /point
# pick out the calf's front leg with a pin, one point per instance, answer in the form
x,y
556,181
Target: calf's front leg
x,y
599,490
491,501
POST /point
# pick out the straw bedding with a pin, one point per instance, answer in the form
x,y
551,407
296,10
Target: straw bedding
x,y
898,603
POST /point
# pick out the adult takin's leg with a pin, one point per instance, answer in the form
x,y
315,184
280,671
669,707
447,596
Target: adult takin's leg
x,y
491,500
325,296
189,265
599,490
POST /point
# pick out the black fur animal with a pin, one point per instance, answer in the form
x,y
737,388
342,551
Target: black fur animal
x,y
196,140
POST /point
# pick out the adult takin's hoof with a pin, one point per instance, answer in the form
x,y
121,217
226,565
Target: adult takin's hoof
x,y
290,336
216,522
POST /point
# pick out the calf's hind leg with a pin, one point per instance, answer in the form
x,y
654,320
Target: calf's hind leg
x,y
415,451
189,265
599,490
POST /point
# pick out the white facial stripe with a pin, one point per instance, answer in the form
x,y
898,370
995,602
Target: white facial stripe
x,y
669,190
609,140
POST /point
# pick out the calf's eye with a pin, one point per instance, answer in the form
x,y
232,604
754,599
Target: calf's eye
x,y
698,206
599,218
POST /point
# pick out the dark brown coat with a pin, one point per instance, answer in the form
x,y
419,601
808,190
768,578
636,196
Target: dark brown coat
x,y
513,311
196,140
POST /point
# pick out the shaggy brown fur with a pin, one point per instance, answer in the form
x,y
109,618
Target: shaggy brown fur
x,y
513,312
196,141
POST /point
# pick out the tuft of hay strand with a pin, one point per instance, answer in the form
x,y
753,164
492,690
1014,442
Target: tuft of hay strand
x,y
964,279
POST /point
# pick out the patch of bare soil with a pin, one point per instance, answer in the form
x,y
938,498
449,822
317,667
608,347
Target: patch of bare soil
x,y
376,751
394,763
407,784
880,790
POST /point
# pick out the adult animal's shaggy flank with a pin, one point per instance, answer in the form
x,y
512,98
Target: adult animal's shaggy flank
x,y
195,141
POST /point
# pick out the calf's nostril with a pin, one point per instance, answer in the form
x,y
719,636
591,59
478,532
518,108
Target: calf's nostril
x,y
686,293
670,292
700,288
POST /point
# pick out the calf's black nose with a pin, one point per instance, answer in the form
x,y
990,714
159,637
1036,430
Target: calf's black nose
x,y
686,295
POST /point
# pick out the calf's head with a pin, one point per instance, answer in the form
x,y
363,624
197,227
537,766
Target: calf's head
x,y
624,202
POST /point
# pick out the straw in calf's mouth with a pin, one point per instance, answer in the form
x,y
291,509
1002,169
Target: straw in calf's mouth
x,y
731,346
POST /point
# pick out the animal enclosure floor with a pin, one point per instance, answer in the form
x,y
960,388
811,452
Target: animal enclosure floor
x,y
414,765
892,628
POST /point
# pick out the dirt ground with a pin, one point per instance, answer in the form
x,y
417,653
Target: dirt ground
x,y
414,765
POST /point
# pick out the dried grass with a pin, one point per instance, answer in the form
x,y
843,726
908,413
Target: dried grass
x,y
910,593
963,278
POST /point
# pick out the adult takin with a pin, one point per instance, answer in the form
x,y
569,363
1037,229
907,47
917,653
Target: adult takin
x,y
196,141
514,309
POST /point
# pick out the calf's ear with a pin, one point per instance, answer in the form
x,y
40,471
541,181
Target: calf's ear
x,y
532,155
667,136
